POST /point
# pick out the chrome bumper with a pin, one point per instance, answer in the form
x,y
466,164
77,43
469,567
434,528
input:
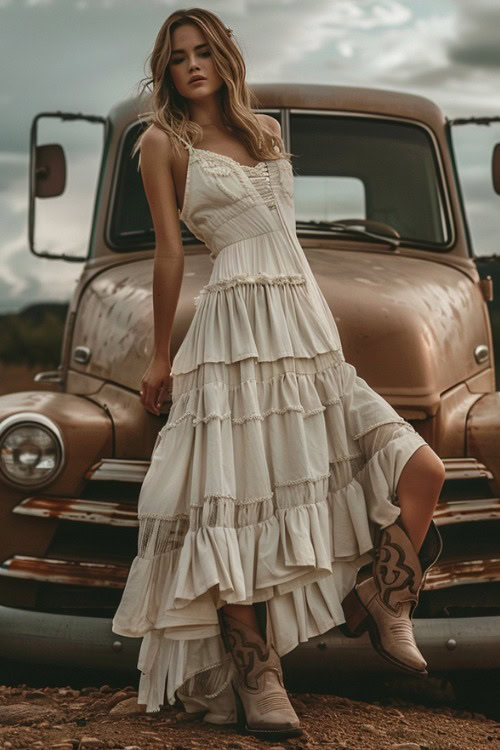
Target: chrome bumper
x,y
69,640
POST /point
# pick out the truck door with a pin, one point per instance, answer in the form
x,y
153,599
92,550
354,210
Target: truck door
x,y
474,144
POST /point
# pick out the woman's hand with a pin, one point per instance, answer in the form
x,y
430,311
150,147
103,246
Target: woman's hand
x,y
155,384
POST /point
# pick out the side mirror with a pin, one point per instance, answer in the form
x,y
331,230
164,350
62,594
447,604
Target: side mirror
x,y
495,168
50,170
48,175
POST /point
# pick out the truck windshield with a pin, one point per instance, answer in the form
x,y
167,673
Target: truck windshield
x,y
368,168
344,167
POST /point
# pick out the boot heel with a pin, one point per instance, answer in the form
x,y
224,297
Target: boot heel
x,y
355,614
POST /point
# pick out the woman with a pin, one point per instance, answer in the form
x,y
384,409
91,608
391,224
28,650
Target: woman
x,y
279,472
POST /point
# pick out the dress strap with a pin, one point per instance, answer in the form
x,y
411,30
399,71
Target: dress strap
x,y
186,144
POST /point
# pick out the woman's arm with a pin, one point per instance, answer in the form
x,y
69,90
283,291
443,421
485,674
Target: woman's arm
x,y
168,271
156,170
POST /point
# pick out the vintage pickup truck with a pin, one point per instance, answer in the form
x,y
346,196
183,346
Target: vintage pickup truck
x,y
381,219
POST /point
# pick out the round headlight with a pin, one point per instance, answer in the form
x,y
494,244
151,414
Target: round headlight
x,y
31,449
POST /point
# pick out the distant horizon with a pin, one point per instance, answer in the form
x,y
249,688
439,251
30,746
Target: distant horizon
x,y
27,305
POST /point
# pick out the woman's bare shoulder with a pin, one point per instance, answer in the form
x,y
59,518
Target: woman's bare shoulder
x,y
271,122
156,140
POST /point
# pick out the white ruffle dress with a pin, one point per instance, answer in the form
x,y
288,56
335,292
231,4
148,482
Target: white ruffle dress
x,y
277,461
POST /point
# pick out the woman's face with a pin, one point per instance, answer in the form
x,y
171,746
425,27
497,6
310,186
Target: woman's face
x,y
191,56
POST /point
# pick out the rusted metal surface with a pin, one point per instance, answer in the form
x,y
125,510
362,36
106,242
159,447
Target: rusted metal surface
x,y
122,514
466,468
70,509
74,572
78,573
465,511
456,573
447,431
118,470
483,434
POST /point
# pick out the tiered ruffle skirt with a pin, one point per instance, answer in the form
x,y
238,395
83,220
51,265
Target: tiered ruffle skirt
x,y
266,483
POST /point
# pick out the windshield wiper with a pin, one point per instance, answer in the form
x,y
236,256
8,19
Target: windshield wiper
x,y
346,226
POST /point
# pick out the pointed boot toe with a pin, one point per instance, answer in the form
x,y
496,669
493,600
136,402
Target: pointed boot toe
x,y
391,633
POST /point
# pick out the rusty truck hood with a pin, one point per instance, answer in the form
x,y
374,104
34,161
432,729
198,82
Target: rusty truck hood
x,y
410,326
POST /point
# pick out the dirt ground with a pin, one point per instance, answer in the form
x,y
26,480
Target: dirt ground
x,y
104,717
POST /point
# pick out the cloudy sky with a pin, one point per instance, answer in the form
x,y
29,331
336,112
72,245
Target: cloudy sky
x,y
86,55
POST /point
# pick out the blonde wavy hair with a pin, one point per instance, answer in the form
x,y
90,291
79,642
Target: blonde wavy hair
x,y
170,110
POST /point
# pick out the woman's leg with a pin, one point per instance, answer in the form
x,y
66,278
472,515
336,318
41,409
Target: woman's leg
x,y
245,613
261,699
383,603
418,491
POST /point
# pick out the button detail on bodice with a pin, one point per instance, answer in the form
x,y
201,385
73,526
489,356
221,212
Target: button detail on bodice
x,y
259,176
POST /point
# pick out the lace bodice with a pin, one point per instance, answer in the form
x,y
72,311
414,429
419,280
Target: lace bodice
x,y
259,175
226,202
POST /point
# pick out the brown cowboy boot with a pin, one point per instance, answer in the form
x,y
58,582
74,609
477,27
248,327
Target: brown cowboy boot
x,y
384,603
262,703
